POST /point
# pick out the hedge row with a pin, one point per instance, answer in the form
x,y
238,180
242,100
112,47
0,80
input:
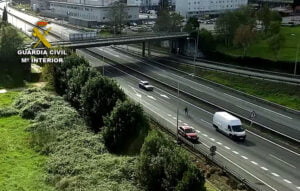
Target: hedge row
x,y
78,158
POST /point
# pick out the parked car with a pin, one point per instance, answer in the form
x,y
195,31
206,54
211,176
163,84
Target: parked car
x,y
188,133
145,85
229,125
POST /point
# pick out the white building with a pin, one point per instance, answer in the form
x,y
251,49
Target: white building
x,y
80,13
188,8
135,2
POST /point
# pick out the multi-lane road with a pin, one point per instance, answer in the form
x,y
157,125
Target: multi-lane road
x,y
262,162
265,164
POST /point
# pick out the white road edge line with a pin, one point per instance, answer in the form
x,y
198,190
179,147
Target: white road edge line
x,y
259,106
282,161
274,143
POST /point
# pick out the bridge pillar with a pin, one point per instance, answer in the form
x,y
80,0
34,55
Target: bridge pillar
x,y
149,48
144,47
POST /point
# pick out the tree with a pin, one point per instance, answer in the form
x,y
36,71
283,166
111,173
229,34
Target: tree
x,y
76,78
191,25
163,22
275,44
176,22
163,4
60,72
118,16
274,28
207,42
126,128
4,15
98,97
229,22
266,16
243,37
163,166
12,72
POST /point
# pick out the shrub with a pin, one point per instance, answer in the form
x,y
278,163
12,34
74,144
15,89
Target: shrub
x,y
8,111
163,166
98,97
126,125
77,76
60,72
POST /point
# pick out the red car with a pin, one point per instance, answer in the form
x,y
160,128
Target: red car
x,y
188,132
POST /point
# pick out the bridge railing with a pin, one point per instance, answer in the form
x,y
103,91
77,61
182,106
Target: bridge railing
x,y
120,37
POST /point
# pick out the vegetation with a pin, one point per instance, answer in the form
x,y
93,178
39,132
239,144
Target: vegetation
x,y
168,21
21,167
4,15
12,72
163,166
118,16
126,128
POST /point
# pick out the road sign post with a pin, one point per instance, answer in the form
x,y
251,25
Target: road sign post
x,y
213,150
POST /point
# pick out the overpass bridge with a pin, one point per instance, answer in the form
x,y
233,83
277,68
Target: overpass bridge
x,y
79,44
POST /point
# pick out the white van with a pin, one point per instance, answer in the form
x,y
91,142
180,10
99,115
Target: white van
x,y
229,125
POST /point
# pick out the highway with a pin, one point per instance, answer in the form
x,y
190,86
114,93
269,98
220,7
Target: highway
x,y
266,165
269,116
263,163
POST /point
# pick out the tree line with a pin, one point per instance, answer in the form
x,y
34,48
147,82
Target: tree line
x,y
100,101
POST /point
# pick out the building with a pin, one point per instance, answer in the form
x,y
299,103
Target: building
x,y
135,2
88,12
189,8
38,5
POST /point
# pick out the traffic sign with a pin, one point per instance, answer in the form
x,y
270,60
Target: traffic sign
x,y
253,114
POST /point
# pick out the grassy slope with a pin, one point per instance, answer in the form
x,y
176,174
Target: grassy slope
x,y
20,167
261,49
283,94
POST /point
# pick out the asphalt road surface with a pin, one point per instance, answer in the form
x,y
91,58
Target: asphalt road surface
x,y
260,161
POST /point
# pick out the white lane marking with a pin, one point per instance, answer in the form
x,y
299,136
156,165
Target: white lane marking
x,y
165,96
204,135
139,95
274,174
180,121
219,143
264,168
212,139
151,97
247,171
3,91
287,181
282,161
298,187
244,157
274,143
205,121
185,124
253,162
259,106
174,117
198,131
227,147
235,152
169,115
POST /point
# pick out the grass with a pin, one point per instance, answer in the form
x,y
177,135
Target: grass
x,y
6,99
21,168
260,48
280,93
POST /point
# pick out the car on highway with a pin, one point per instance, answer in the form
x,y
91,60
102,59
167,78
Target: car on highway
x,y
145,85
188,133
229,125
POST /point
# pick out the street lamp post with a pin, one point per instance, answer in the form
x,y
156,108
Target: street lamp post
x,y
296,56
177,110
195,53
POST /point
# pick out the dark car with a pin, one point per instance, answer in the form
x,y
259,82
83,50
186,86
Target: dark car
x,y
188,133
145,85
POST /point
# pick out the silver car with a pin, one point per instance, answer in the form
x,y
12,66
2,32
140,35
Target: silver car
x,y
145,85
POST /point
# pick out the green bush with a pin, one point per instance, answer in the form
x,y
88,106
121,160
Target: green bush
x,y
78,159
163,166
77,76
60,79
126,127
8,111
98,98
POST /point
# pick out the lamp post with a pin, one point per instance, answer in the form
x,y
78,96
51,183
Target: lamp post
x,y
296,57
194,73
